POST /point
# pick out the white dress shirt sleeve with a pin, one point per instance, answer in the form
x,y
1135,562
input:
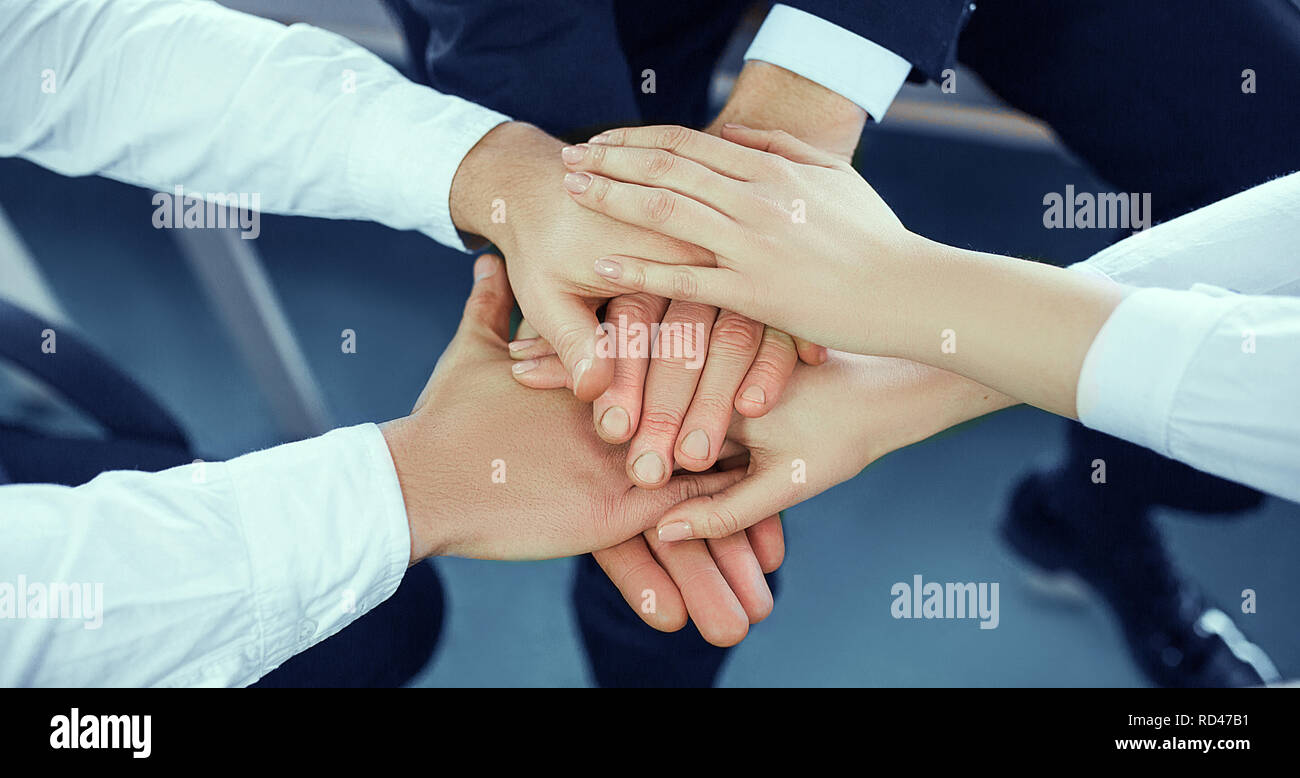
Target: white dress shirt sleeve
x,y
162,93
1246,243
211,574
1196,372
844,62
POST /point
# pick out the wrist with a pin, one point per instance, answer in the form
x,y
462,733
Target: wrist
x,y
498,179
768,97
422,497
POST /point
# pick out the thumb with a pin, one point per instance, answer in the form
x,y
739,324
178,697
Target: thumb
x,y
571,327
490,302
735,508
780,142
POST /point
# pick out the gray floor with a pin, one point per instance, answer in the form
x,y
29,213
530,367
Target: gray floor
x,y
931,509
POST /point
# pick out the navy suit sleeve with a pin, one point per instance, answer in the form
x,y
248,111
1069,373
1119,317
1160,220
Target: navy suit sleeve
x,y
923,32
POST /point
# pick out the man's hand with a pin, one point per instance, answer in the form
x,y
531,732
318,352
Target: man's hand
x,y
490,469
508,190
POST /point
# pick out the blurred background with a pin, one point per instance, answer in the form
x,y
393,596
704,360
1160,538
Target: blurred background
x,y
957,168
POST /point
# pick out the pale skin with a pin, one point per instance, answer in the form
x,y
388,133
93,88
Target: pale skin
x,y
834,420
804,243
665,411
892,293
564,492
549,243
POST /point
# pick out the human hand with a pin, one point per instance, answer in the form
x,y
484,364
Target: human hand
x,y
491,470
801,241
835,420
448,450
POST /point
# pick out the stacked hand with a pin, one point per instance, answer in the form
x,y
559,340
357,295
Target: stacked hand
x,y
675,410
534,482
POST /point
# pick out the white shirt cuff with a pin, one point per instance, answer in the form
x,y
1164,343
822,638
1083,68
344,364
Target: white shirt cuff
x,y
327,536
1133,370
842,61
396,169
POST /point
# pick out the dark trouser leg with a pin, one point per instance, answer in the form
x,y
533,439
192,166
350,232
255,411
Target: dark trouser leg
x,y
625,652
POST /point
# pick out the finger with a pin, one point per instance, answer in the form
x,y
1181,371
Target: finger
x,y
490,301
740,569
571,327
657,209
542,373
767,538
729,159
526,330
811,353
530,348
657,167
782,143
687,283
768,375
646,587
733,344
727,512
679,349
713,606
631,317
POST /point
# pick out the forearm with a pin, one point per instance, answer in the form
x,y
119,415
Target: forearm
x,y
770,97
223,569
166,94
1020,327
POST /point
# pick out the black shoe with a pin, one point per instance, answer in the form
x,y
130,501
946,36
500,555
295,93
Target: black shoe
x,y
1174,635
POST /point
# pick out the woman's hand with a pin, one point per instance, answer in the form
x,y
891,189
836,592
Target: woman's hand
x,y
801,241
834,420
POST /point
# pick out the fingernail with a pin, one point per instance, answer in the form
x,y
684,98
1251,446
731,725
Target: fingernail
x,y
484,267
615,422
609,268
734,126
601,138
579,370
573,154
523,367
649,468
577,182
520,345
696,445
754,394
675,531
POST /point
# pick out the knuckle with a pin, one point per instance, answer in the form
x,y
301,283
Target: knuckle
x,y
721,521
659,206
661,422
712,405
596,155
599,189
735,335
615,137
633,308
657,163
673,137
570,335
684,284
